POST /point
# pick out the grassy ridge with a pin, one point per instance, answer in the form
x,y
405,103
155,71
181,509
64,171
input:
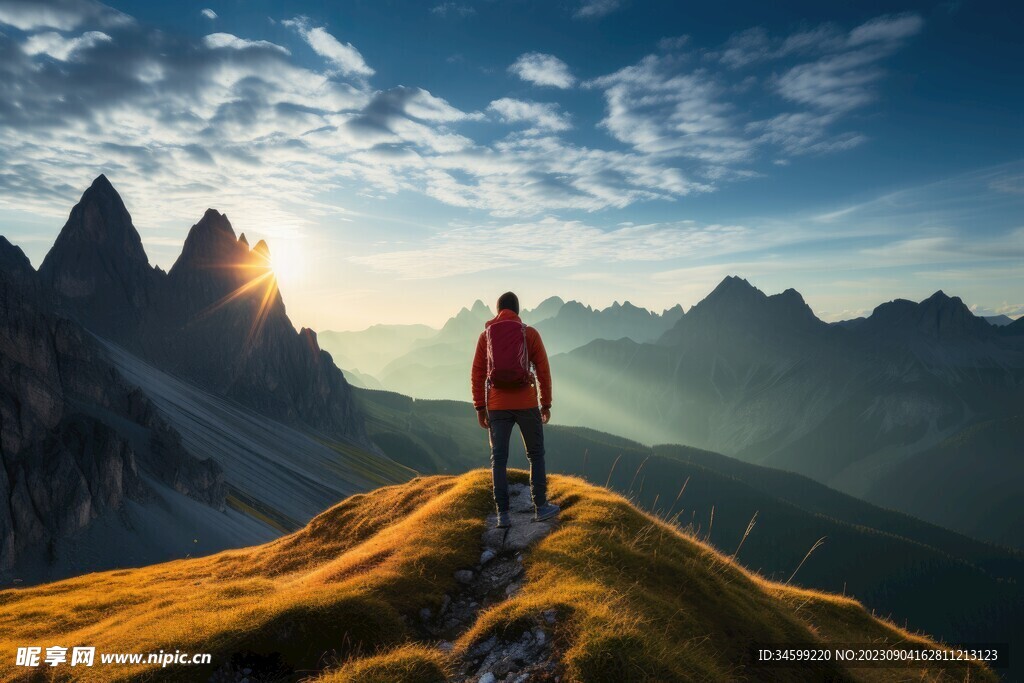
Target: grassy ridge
x,y
922,576
636,598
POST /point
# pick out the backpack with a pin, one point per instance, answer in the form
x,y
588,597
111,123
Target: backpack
x,y
508,361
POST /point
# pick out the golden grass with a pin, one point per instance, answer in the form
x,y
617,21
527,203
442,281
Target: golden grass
x,y
636,598
406,663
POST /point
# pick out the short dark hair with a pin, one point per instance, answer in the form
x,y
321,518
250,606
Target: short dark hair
x,y
510,301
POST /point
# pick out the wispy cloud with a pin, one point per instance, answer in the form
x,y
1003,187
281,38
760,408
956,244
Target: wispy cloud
x,y
552,243
886,29
209,14
671,43
450,8
540,115
668,106
60,48
227,40
63,15
658,109
595,9
235,116
348,60
542,69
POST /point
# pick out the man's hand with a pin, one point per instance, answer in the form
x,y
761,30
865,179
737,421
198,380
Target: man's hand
x,y
481,417
545,415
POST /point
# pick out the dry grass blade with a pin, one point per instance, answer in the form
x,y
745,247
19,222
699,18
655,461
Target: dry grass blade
x,y
814,547
750,527
612,471
633,480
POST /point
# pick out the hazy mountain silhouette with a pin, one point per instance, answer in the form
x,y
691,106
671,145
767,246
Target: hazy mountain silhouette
x,y
1014,328
575,325
999,320
438,366
548,308
761,378
365,353
369,350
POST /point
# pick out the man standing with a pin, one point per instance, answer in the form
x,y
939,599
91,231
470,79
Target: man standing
x,y
509,365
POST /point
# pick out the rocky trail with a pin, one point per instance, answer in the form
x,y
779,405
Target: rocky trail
x,y
497,576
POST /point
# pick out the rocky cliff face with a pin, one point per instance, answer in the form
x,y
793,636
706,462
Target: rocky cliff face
x,y
98,265
62,463
216,318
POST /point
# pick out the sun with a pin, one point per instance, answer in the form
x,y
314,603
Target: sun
x,y
287,262
261,277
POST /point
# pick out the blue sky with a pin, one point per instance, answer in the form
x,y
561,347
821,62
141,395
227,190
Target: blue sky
x,y
405,158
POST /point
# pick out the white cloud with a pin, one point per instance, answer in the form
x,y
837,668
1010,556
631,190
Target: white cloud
x,y
542,69
837,82
452,8
209,14
595,9
757,45
844,68
658,110
672,106
887,29
226,40
61,48
542,115
63,15
553,243
238,122
747,47
673,43
344,56
799,133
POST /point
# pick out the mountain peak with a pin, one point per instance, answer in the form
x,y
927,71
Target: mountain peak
x,y
12,258
98,258
102,184
100,218
211,242
262,248
734,290
737,308
480,308
938,316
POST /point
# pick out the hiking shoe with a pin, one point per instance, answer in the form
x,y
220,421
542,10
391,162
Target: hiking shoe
x,y
546,511
504,521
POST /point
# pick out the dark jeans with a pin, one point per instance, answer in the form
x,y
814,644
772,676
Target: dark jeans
x,y
532,430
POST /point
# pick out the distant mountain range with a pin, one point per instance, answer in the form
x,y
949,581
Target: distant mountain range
x,y
863,405
856,405
427,363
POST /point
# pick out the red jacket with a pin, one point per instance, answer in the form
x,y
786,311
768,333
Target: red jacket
x,y
512,399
